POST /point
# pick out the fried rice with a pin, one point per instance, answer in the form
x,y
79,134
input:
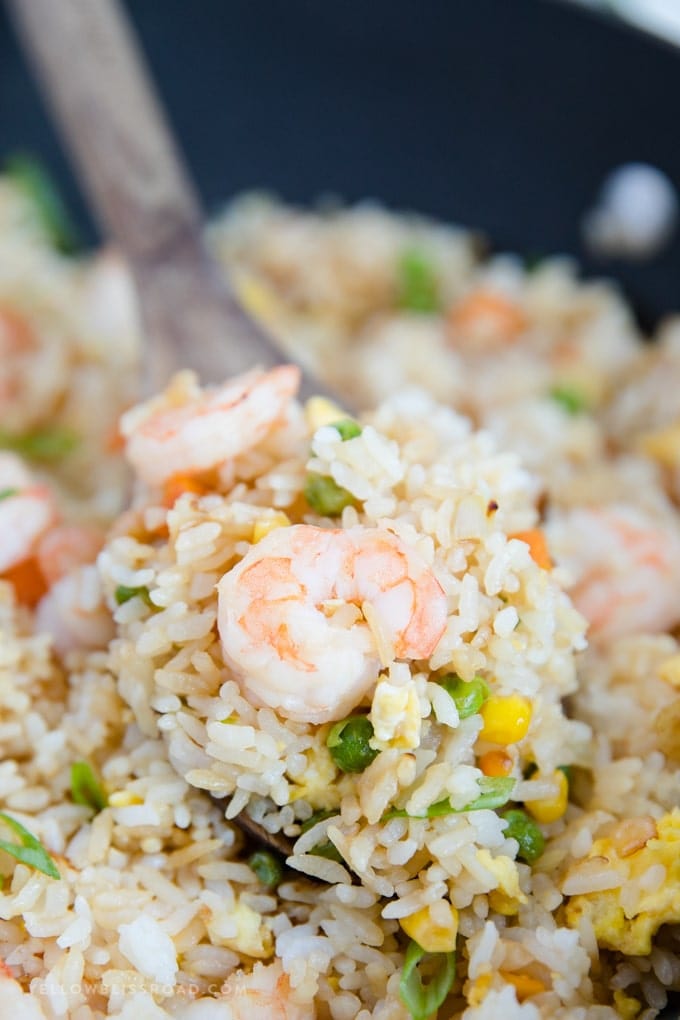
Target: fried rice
x,y
430,647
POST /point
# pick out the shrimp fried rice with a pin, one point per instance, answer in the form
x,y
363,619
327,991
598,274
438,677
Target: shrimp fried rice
x,y
430,648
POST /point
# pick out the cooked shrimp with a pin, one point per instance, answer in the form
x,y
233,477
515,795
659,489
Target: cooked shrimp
x,y
209,426
67,546
284,631
27,510
626,569
264,994
15,1001
74,612
485,319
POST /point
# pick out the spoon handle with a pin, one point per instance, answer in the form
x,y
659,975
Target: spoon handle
x,y
94,77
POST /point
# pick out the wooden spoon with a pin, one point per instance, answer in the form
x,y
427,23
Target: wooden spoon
x,y
94,78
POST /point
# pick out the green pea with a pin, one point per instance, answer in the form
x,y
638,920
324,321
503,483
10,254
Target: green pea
x,y
325,496
267,867
569,398
417,283
348,743
468,695
348,428
526,832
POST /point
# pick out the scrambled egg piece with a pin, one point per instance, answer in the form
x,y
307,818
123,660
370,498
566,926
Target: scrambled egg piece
x,y
505,872
395,714
319,784
614,927
243,930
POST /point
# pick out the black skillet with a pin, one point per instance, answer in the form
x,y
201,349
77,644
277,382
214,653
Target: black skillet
x,y
499,114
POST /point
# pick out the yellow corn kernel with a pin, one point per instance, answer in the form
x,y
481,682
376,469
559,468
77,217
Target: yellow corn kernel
x,y
524,984
551,808
433,937
124,798
322,411
267,524
669,670
506,719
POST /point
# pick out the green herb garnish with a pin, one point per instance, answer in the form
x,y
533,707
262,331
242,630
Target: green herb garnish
x,y
348,428
494,792
325,849
325,496
421,998
267,867
418,288
6,493
468,695
348,743
41,444
29,850
569,398
526,832
86,788
31,177
124,594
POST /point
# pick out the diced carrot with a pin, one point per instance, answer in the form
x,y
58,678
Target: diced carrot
x,y
28,581
538,546
16,333
486,317
114,441
177,485
495,763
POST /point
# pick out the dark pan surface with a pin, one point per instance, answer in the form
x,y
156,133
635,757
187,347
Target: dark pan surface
x,y
498,114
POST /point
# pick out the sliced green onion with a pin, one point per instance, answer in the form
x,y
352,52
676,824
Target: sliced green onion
x,y
325,496
28,174
568,772
267,867
468,695
325,849
348,743
418,289
494,792
86,788
420,998
318,816
124,594
526,832
328,850
569,398
348,428
6,493
29,850
41,444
